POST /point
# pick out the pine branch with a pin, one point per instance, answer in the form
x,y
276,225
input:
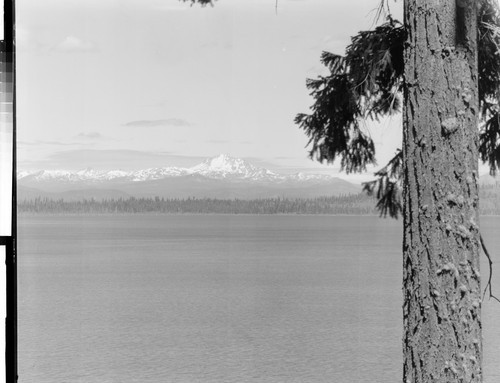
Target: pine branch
x,y
365,83
488,51
488,285
489,139
387,187
382,11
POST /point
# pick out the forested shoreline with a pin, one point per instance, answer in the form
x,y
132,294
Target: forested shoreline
x,y
358,204
350,204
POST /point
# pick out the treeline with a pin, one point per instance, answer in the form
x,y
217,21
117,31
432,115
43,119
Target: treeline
x,y
489,200
358,204
349,204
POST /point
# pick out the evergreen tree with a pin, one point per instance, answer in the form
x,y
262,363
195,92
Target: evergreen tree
x,y
444,63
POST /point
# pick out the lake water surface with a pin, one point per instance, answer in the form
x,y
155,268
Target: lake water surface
x,y
218,298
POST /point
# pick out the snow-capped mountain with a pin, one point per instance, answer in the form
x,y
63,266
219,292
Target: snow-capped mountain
x,y
224,166
219,177
220,167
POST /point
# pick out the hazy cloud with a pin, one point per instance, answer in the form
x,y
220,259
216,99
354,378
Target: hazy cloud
x,y
108,159
41,142
90,135
75,44
175,122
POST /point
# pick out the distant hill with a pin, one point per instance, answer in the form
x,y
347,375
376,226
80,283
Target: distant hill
x,y
219,177
27,193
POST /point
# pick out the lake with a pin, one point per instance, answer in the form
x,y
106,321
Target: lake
x,y
219,298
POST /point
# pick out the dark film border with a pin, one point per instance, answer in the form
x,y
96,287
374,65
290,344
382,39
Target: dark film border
x,y
7,58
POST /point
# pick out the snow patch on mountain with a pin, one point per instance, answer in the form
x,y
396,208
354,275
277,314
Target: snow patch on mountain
x,y
220,167
224,166
156,174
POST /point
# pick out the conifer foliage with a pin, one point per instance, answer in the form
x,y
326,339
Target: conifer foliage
x,y
367,83
364,83
489,84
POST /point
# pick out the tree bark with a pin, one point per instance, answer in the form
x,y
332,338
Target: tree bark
x,y
441,280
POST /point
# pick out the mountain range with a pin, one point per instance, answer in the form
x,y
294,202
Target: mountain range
x,y
218,177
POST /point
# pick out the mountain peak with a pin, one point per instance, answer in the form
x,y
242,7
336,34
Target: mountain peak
x,y
224,165
226,162
223,157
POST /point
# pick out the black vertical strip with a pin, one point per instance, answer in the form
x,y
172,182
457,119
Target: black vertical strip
x,y
11,369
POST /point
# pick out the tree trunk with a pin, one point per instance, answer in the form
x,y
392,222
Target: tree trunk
x,y
442,292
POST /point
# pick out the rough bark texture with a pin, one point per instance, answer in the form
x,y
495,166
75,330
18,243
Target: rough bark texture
x,y
442,293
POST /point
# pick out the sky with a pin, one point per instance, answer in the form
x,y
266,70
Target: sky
x,y
133,84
